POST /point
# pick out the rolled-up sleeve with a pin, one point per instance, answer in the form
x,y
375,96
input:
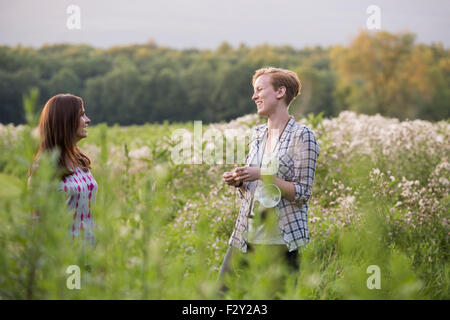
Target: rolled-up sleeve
x,y
305,153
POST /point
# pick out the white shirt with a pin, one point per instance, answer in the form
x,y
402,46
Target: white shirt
x,y
264,233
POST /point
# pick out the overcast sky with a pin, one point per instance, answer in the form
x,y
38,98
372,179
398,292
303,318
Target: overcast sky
x,y
207,23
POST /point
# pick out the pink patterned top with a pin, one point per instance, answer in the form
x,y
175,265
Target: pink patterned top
x,y
81,189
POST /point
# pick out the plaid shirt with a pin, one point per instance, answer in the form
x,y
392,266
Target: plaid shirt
x,y
297,152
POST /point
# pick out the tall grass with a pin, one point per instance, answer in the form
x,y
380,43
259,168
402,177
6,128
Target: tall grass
x,y
380,198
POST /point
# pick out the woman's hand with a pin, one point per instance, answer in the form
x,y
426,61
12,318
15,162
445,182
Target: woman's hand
x,y
228,177
247,174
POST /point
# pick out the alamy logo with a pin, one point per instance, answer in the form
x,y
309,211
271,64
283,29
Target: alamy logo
x,y
214,146
211,147
374,20
74,20
74,280
374,281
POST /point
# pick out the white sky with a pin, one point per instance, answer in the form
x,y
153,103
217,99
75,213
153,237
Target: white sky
x,y
207,23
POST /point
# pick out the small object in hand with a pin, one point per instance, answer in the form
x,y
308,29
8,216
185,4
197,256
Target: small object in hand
x,y
269,195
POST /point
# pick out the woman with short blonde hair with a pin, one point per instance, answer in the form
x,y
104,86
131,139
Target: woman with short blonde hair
x,y
291,150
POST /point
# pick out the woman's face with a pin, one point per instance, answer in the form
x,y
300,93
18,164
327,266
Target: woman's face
x,y
83,123
265,96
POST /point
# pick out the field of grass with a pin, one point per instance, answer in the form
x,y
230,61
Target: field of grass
x,y
381,197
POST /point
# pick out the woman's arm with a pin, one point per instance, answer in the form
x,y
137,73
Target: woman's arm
x,y
304,154
287,188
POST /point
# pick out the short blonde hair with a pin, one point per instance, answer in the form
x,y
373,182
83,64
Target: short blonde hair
x,y
281,78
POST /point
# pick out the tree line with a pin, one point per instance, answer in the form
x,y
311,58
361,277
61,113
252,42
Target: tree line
x,y
379,72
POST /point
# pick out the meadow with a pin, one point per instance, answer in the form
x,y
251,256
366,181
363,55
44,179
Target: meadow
x,y
380,198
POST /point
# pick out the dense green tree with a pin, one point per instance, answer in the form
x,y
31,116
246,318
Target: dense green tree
x,y
316,94
388,74
12,88
377,73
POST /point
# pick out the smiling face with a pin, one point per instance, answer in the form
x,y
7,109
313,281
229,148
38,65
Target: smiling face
x,y
265,96
83,123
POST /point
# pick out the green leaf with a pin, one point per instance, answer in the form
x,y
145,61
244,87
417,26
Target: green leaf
x,y
10,186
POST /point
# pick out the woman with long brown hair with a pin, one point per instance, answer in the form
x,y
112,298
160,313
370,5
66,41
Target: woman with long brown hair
x,y
62,125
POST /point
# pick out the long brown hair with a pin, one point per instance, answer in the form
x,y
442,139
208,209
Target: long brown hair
x,y
57,129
